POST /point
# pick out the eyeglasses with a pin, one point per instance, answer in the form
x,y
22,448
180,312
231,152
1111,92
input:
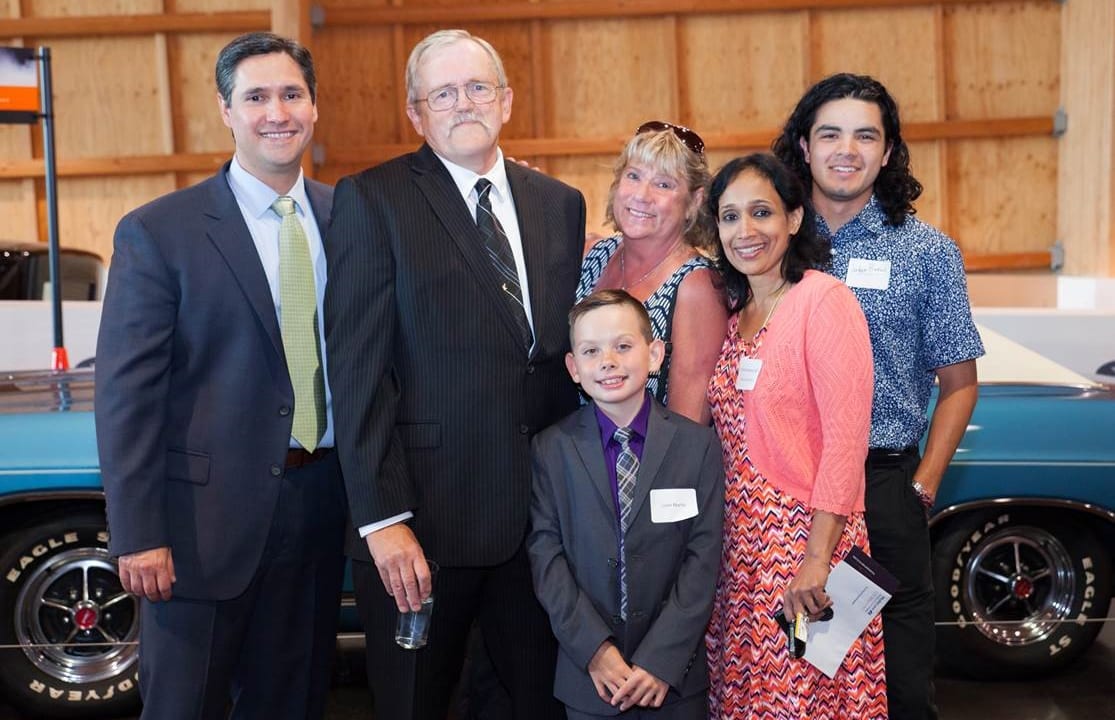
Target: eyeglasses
x,y
688,138
445,98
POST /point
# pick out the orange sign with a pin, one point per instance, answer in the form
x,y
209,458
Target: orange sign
x,y
19,80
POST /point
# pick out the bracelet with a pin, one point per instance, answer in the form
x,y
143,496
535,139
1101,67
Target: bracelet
x,y
923,495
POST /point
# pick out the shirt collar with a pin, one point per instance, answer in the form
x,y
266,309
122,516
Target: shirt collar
x,y
256,196
465,179
871,219
638,425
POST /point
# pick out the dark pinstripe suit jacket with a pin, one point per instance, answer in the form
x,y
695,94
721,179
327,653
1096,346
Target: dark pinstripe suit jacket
x,y
435,398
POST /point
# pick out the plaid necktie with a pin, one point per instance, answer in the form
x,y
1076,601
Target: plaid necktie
x,y
299,326
499,252
627,469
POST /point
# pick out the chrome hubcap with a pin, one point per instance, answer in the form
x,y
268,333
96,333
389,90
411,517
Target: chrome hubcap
x,y
1019,586
73,618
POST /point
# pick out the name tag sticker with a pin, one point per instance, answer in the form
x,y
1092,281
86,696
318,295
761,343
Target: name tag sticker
x,y
670,505
748,373
869,274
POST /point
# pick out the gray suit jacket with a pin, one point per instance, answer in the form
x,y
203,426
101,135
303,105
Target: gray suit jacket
x,y
671,567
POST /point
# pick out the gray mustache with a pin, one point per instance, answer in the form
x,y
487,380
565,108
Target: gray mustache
x,y
466,117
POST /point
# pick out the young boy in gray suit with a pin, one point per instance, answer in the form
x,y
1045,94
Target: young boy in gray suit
x,y
626,510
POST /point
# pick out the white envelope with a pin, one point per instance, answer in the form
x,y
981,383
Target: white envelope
x,y
673,504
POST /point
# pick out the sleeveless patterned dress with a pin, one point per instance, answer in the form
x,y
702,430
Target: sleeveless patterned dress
x,y
751,674
660,305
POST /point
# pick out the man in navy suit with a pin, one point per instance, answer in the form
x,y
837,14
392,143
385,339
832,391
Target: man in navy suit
x,y
225,501
451,272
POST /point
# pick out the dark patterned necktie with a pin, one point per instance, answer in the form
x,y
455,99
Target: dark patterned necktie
x,y
627,469
499,252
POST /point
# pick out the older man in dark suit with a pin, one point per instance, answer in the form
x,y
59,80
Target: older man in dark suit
x,y
451,272
225,503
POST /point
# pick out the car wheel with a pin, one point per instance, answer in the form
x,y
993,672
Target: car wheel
x,y
1019,588
61,600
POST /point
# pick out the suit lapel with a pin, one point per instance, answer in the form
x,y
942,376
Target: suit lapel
x,y
529,207
437,185
660,433
230,235
321,200
586,440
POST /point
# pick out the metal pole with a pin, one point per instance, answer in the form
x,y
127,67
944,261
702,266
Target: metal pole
x,y
59,360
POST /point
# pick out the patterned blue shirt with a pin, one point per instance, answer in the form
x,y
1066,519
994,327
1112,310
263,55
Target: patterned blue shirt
x,y
921,321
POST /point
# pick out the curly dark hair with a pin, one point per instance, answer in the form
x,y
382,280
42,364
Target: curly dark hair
x,y
895,187
806,250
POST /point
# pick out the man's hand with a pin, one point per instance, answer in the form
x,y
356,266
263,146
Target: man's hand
x,y
402,565
608,670
642,689
149,573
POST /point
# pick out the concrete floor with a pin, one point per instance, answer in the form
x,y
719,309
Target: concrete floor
x,y
1083,691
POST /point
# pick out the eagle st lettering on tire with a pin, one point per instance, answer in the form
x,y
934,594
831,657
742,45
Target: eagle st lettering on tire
x,y
1021,587
61,600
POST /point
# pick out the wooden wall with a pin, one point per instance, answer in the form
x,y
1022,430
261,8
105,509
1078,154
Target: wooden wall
x,y
134,102
978,83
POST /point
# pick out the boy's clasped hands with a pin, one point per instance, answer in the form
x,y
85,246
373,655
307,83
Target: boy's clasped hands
x,y
623,685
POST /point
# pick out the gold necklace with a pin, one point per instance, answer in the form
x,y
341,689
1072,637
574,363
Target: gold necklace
x,y
777,295
623,267
777,298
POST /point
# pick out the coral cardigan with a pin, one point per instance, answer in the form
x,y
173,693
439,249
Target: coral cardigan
x,y
809,415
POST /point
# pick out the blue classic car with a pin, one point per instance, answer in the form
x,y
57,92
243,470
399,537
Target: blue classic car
x,y
1023,532
1024,525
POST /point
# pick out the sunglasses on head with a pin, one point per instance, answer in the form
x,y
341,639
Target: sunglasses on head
x,y
688,138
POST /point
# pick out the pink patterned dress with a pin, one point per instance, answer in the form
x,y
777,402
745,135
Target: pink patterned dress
x,y
751,674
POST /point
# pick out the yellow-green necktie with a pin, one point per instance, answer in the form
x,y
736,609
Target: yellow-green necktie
x,y
298,304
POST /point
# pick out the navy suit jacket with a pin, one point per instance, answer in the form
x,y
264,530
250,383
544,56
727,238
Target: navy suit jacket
x,y
435,397
671,566
193,405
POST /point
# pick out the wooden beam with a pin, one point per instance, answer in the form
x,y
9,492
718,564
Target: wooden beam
x,y
974,129
106,167
522,147
1086,153
111,25
756,139
1008,261
291,18
463,13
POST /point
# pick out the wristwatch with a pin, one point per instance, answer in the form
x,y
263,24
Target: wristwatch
x,y
923,495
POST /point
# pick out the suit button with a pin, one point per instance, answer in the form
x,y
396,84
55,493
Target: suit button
x,y
616,620
276,471
530,369
612,562
284,411
524,430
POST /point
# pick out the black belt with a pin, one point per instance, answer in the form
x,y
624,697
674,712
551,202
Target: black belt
x,y
890,456
297,457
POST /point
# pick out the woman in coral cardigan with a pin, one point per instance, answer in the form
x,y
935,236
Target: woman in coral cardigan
x,y
791,399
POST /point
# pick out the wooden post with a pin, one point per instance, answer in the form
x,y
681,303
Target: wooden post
x,y
1086,162
291,18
